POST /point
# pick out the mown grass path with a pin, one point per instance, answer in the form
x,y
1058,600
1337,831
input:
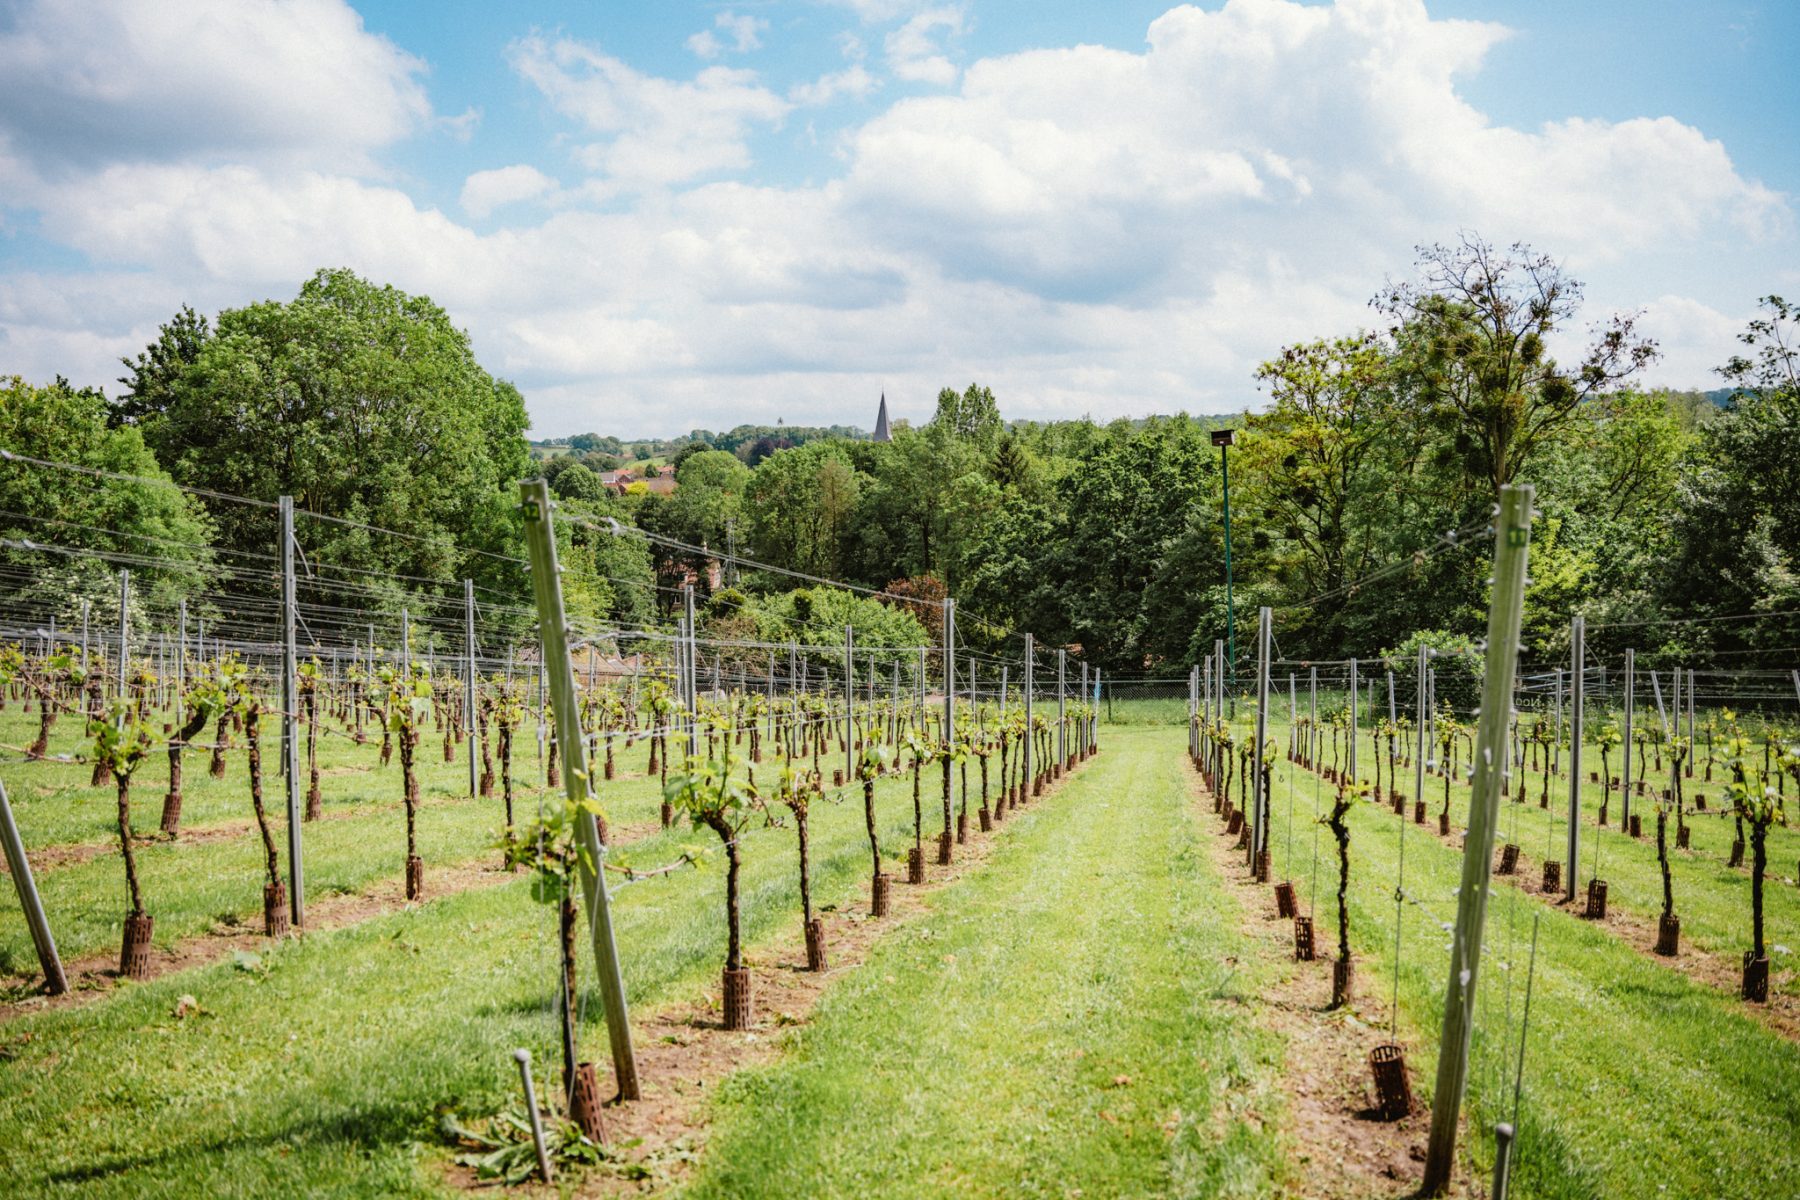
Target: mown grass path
x,y
1638,1080
1072,1020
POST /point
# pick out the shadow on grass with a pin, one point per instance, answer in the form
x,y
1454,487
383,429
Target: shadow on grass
x,y
362,1128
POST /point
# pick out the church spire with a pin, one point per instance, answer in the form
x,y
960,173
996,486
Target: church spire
x,y
881,422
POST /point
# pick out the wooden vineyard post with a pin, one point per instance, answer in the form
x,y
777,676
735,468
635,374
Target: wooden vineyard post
x,y
690,675
1025,776
1625,774
949,671
124,637
1193,711
471,724
1577,719
1062,717
19,867
181,653
546,584
849,703
1512,543
1423,731
290,720
1259,790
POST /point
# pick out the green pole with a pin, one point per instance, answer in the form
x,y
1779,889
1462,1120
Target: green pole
x,y
1512,542
546,583
1230,604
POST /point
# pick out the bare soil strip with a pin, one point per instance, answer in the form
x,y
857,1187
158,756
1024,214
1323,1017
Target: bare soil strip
x,y
1343,1150
684,1051
94,976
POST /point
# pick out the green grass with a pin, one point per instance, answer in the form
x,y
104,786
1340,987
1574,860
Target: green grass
x,y
973,1055
1160,711
1712,899
190,884
321,1074
1638,1081
978,1050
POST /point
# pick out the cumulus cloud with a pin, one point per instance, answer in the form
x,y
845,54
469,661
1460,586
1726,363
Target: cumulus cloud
x,y
742,34
1246,177
485,191
656,131
853,81
914,52
87,82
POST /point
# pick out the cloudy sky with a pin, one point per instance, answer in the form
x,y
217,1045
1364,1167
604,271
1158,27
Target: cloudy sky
x,y
654,217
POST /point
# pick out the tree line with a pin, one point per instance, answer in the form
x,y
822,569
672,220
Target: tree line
x,y
1662,511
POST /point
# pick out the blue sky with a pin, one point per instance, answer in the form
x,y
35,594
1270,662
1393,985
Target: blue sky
x,y
660,216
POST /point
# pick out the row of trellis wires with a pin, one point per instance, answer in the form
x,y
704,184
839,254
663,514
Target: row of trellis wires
x,y
122,633
1692,729
1249,758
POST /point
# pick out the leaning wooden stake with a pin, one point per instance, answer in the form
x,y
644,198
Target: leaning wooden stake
x,y
546,584
1512,542
55,982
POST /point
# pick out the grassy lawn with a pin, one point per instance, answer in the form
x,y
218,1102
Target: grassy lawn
x,y
1062,1024
193,882
1712,899
320,1069
1075,1016
1639,1082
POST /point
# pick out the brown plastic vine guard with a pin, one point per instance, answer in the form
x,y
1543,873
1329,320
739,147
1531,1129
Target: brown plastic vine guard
x,y
1509,859
1303,939
1596,900
1756,978
1552,877
134,955
737,998
1393,1088
584,1104
275,909
1284,900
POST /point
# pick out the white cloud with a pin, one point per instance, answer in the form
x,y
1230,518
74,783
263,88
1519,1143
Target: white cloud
x,y
485,191
84,82
913,50
742,35
1137,243
659,131
1695,340
853,81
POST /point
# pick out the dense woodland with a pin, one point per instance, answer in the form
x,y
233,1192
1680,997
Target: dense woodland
x,y
1370,446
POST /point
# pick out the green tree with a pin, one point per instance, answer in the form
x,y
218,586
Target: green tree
x,y
1736,536
802,508
151,376
1474,331
1312,460
163,532
972,415
361,402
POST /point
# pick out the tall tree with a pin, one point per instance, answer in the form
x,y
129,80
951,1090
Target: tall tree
x,y
1311,459
361,402
1475,329
151,376
160,532
1736,536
